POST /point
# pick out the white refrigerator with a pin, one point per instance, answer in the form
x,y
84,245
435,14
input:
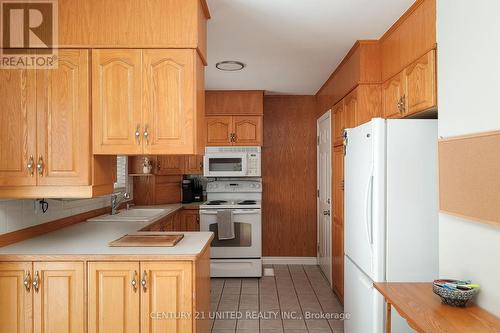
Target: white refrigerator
x,y
391,215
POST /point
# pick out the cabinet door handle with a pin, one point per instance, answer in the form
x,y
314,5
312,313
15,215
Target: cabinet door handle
x,y
134,281
403,103
30,166
27,281
36,282
138,134
144,281
146,135
39,165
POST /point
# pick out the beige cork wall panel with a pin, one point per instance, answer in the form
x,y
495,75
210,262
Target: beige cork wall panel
x,y
469,177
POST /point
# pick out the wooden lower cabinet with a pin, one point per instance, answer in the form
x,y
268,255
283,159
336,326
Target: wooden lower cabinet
x,y
166,297
16,300
113,300
133,297
190,220
58,304
193,165
338,260
42,297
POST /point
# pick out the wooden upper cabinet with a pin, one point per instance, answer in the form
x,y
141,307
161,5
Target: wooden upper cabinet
x,y
193,164
170,165
169,103
59,304
412,36
351,109
237,102
393,91
117,101
157,24
63,118
113,301
369,98
168,289
420,79
338,123
219,130
247,130
17,127
15,299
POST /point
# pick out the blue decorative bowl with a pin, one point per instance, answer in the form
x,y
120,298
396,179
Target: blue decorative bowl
x,y
456,297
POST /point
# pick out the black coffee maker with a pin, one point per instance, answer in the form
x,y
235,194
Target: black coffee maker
x,y
192,190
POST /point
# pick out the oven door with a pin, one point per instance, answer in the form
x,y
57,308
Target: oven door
x,y
225,165
247,230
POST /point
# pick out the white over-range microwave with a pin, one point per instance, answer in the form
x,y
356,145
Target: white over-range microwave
x,y
232,162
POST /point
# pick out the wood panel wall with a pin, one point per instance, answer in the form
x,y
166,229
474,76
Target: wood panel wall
x,y
289,176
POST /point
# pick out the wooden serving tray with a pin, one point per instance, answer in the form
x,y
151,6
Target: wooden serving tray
x,y
147,239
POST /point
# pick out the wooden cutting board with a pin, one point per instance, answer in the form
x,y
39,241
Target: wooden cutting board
x,y
145,240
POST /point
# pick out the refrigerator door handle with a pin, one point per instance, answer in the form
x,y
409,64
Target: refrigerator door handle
x,y
368,207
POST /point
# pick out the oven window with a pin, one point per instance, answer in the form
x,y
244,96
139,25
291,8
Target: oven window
x,y
242,236
225,164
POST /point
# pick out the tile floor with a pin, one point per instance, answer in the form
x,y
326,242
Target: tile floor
x,y
284,303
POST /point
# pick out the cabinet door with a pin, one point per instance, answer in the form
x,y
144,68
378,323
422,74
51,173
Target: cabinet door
x,y
169,103
15,298
113,301
191,220
338,220
219,130
170,165
369,103
338,260
168,290
58,302
117,101
17,127
392,92
193,164
247,130
338,123
351,107
421,84
63,118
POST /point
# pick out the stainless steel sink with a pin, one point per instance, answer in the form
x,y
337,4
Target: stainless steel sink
x,y
136,214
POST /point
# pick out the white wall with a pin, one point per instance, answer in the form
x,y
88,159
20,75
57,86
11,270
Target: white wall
x,y
468,90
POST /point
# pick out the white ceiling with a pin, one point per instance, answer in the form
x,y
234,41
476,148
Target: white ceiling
x,y
290,46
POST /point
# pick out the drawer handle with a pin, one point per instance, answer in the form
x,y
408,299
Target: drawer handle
x,y
144,281
27,281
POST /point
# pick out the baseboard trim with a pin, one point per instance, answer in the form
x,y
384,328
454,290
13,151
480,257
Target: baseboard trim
x,y
289,260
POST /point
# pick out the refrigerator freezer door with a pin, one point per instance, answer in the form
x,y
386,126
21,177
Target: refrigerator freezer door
x,y
362,301
358,194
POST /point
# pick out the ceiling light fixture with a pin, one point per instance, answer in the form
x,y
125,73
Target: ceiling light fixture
x,y
230,65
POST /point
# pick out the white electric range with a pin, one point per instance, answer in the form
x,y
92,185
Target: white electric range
x,y
241,256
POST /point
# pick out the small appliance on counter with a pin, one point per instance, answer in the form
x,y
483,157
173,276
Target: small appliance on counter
x,y
192,190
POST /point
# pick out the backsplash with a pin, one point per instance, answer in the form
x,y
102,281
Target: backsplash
x,y
19,214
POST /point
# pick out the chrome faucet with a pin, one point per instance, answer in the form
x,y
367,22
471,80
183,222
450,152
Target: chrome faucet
x,y
115,201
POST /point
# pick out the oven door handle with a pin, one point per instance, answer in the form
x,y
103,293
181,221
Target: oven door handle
x,y
235,212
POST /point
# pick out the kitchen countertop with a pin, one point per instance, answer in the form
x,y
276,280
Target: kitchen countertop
x,y
92,238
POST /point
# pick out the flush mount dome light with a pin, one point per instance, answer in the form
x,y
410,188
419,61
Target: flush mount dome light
x,y
230,65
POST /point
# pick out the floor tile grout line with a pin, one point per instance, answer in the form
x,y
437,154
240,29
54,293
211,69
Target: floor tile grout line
x,y
316,294
218,303
278,296
239,301
298,299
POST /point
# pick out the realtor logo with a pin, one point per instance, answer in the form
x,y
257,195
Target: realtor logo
x,y
28,34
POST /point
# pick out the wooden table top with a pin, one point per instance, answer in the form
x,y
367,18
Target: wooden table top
x,y
425,313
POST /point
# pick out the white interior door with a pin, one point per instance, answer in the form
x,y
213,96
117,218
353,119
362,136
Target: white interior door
x,y
324,156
